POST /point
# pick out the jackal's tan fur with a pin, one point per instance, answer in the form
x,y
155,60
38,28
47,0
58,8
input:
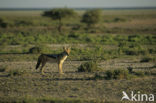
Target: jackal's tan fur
x,y
57,58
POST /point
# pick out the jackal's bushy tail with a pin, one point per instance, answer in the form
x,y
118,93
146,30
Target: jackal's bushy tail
x,y
39,61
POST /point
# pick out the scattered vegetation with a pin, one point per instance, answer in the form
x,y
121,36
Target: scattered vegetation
x,y
124,46
117,74
140,73
16,72
3,24
21,23
120,74
3,68
118,19
59,14
148,59
91,17
26,34
130,69
88,67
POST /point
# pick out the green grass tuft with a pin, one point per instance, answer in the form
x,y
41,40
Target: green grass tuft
x,y
88,67
148,59
117,74
3,68
16,72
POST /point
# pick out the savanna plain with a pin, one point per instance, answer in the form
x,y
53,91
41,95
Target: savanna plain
x,y
117,54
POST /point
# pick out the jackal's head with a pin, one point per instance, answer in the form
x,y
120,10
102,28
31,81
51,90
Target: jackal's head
x,y
67,50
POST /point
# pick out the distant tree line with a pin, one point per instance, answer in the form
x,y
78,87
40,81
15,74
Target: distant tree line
x,y
90,17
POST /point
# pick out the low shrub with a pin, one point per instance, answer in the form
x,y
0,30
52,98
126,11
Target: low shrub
x,y
99,76
3,24
120,74
130,69
134,50
73,35
117,74
16,72
3,68
88,67
109,74
134,38
147,59
91,17
152,51
118,19
148,73
23,23
140,73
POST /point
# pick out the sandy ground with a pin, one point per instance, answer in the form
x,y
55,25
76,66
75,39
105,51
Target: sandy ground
x,y
72,84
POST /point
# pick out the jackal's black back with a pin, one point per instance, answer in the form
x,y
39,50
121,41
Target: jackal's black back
x,y
52,55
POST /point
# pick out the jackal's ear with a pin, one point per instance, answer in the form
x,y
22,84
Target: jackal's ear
x,y
69,48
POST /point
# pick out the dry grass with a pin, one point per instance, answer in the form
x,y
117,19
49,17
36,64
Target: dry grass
x,y
135,23
21,13
20,82
72,84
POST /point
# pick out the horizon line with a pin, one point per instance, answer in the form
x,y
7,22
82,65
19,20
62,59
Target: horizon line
x,y
77,8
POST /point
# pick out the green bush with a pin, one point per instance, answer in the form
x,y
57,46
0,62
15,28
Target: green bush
x,y
118,19
120,74
130,69
3,24
152,51
3,68
73,35
16,72
59,14
88,67
140,73
148,59
23,23
109,74
148,73
117,74
91,17
134,38
133,50
98,76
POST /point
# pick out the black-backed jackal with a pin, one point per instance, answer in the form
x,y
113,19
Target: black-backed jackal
x,y
57,58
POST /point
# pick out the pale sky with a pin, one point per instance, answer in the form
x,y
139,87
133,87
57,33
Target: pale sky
x,y
75,3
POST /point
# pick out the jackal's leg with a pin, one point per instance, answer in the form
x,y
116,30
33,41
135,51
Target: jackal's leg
x,y
42,69
38,63
60,67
